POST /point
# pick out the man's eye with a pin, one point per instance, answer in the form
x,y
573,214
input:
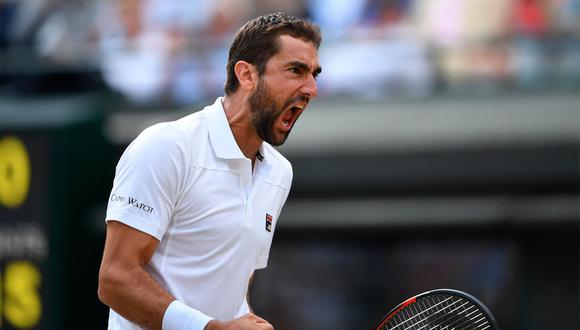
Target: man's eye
x,y
295,70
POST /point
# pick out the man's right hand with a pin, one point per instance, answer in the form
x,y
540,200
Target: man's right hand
x,y
246,322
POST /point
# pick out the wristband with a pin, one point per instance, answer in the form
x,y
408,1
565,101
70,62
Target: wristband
x,y
179,316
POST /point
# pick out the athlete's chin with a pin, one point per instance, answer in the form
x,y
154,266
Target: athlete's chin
x,y
279,139
278,142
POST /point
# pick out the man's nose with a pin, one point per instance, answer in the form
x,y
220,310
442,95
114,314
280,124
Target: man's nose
x,y
310,87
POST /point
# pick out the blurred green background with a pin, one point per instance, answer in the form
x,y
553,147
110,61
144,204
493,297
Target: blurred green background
x,y
442,151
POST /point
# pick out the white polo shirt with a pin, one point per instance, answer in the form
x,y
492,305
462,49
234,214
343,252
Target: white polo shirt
x,y
188,184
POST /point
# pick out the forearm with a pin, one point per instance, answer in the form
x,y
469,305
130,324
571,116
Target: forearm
x,y
135,295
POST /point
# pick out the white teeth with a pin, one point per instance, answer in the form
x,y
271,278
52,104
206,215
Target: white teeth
x,y
300,106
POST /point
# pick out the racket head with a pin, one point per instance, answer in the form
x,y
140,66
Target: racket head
x,y
439,309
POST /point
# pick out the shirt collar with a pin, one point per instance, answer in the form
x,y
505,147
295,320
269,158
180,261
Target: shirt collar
x,y
222,139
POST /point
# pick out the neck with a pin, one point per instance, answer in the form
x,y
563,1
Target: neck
x,y
238,113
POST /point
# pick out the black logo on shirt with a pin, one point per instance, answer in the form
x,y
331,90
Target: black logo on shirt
x,y
131,201
117,198
268,222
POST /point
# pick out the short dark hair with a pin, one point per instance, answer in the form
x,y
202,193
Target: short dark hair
x,y
257,41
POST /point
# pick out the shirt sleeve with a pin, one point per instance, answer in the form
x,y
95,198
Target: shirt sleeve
x,y
146,187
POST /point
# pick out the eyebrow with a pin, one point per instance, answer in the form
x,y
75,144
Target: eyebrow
x,y
305,67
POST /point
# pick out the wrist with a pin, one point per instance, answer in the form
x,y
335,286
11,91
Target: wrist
x,y
179,316
214,325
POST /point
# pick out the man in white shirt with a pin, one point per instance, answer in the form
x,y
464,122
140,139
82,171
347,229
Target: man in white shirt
x,y
195,201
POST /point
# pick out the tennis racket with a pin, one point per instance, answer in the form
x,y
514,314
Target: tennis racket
x,y
439,309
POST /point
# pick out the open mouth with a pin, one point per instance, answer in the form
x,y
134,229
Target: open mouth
x,y
289,117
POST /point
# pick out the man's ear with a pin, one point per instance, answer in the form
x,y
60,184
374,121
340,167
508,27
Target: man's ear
x,y
247,75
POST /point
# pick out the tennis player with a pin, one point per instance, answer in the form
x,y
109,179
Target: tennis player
x,y
195,201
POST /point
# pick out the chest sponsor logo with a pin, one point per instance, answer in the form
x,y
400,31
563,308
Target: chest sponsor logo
x,y
268,222
131,201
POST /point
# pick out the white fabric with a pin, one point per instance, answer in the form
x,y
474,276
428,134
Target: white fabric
x,y
179,316
188,184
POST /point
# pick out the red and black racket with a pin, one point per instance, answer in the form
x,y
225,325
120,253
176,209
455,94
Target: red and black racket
x,y
439,309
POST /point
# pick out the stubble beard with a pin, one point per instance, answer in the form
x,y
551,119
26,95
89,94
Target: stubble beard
x,y
265,111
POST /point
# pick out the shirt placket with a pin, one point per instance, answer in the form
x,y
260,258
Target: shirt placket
x,y
246,184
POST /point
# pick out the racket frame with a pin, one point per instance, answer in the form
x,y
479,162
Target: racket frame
x,y
486,312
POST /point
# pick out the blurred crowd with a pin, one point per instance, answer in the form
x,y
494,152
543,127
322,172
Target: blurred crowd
x,y
173,52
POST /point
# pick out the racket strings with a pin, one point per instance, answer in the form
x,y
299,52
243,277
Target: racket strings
x,y
449,318
426,310
439,312
408,316
439,321
470,321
